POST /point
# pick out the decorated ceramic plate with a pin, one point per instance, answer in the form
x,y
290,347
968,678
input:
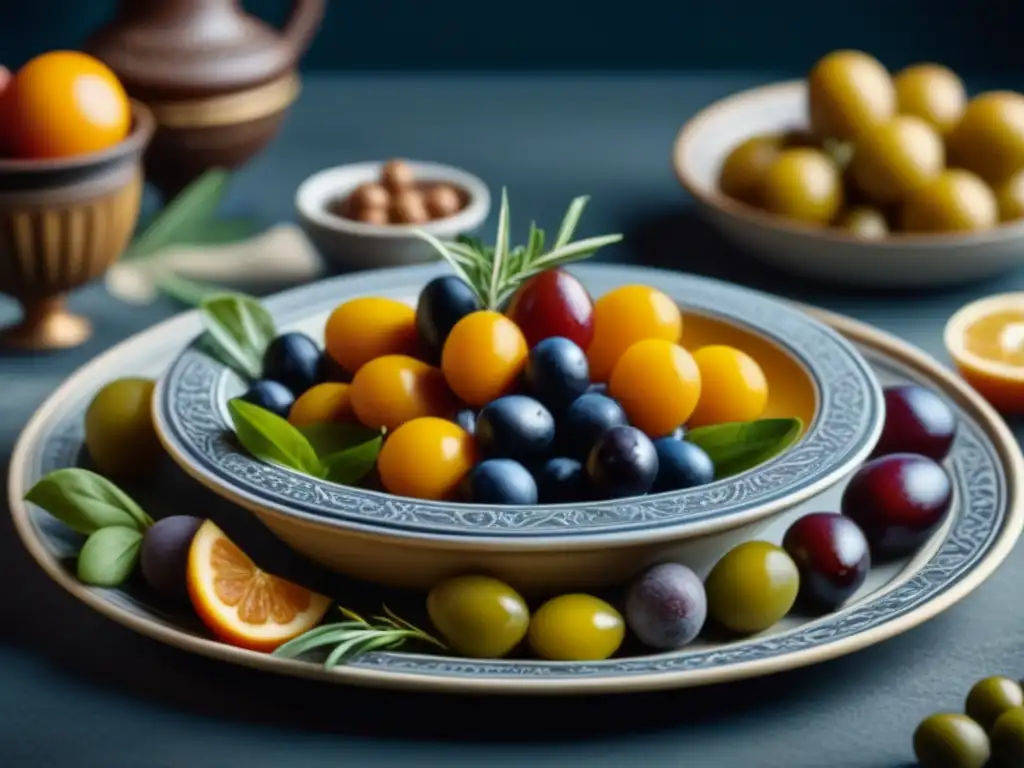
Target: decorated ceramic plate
x,y
984,523
816,373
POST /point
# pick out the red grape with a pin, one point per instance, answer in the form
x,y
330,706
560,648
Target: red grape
x,y
832,556
553,303
916,421
898,501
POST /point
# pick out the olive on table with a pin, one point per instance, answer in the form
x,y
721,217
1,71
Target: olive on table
x,y
991,697
576,627
478,616
666,606
954,201
948,740
933,93
849,93
441,304
1007,739
1010,198
292,359
743,172
804,185
119,432
622,463
752,587
896,158
562,480
163,557
557,372
515,427
499,481
989,138
681,465
833,558
864,221
898,501
917,420
590,416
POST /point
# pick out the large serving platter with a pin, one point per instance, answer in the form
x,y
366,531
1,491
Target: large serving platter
x,y
843,406
981,530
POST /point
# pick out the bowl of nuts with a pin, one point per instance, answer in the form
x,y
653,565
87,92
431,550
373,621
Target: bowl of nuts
x,y
365,215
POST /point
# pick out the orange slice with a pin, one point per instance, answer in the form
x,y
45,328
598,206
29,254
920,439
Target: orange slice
x,y
241,604
986,341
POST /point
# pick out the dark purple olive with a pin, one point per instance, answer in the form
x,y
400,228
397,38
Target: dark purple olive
x,y
164,555
916,421
442,303
666,606
292,359
561,481
270,396
832,555
898,501
622,463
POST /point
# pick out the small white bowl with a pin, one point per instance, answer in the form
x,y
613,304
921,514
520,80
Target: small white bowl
x,y
348,245
898,261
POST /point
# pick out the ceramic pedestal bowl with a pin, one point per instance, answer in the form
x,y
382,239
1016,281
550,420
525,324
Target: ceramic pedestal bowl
x,y
813,373
63,223
898,261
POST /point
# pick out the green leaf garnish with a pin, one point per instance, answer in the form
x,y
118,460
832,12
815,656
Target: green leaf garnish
x,y
333,436
494,273
352,464
183,217
270,438
738,446
86,502
355,637
239,329
109,555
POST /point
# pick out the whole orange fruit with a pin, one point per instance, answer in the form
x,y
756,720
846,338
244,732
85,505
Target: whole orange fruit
x,y
64,103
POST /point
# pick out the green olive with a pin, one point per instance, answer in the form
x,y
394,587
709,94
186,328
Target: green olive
x,y
1010,197
478,616
576,628
896,158
849,93
950,741
752,587
990,697
933,93
864,221
119,433
742,174
954,201
1007,739
989,138
804,184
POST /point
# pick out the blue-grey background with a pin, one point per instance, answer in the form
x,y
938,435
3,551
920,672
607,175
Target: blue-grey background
x,y
972,37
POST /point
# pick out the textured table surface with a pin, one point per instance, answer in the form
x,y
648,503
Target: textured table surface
x,y
78,690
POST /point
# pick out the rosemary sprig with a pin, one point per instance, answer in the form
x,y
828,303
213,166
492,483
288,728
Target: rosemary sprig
x,y
355,637
495,272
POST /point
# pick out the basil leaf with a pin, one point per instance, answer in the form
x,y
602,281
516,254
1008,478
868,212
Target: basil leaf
x,y
352,464
336,436
270,438
86,502
108,556
240,329
737,446
182,216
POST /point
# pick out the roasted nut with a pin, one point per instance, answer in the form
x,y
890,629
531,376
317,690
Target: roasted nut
x,y
396,175
442,200
370,194
408,207
373,216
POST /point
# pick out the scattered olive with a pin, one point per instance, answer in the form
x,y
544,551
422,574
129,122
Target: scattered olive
x,y
1007,739
666,606
947,740
990,698
576,627
478,616
752,587
119,432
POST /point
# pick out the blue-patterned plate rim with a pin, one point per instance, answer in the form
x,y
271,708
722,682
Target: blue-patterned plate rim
x,y
986,460
190,418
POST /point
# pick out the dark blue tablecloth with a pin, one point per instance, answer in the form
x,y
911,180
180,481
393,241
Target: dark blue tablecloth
x,y
78,690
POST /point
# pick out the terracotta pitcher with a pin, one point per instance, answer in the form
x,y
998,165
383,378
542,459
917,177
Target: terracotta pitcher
x,y
218,80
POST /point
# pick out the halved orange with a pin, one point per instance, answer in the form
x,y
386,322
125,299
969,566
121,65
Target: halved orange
x,y
986,341
241,604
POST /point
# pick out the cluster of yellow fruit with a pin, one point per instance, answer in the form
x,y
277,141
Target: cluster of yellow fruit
x,y
883,153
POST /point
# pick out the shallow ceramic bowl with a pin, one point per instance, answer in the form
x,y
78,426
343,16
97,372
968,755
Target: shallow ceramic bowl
x,y
354,245
814,374
899,261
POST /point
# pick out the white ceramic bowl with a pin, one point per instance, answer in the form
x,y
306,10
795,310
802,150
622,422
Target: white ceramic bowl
x,y
899,261
353,245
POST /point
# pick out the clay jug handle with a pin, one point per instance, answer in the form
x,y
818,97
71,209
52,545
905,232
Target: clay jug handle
x,y
302,25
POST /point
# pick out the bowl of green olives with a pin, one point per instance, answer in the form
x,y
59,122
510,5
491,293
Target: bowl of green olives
x,y
857,175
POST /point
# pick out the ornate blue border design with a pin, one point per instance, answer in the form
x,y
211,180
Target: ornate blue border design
x,y
850,414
